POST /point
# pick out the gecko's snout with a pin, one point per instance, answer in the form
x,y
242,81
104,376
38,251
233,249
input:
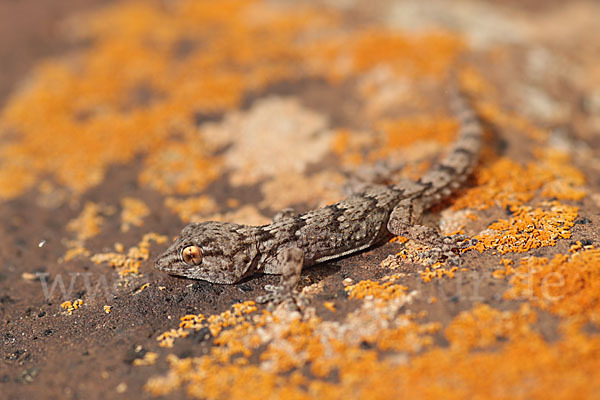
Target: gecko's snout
x,y
168,260
163,261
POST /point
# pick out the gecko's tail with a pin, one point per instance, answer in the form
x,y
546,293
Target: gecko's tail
x,y
450,173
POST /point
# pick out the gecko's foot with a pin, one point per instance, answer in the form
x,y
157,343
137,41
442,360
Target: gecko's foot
x,y
281,294
290,262
446,249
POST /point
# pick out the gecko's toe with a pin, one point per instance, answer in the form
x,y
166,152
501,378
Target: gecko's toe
x,y
453,260
446,250
279,294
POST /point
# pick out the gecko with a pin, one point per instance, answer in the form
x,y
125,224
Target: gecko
x,y
225,253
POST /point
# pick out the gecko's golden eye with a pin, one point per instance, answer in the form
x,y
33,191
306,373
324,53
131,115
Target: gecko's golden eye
x,y
192,255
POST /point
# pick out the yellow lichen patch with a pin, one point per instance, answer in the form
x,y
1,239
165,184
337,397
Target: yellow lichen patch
x,y
191,321
429,54
290,343
142,288
511,361
76,252
405,132
166,339
567,285
349,145
408,336
85,226
191,208
436,271
132,213
529,228
567,181
215,323
504,183
491,112
399,239
386,291
88,223
509,355
474,81
71,306
128,264
230,317
150,73
148,359
179,168
131,89
508,269
484,326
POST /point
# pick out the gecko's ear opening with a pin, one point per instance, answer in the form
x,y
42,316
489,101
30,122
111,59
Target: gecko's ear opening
x,y
192,255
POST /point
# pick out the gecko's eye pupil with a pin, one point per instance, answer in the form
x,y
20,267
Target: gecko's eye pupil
x,y
192,255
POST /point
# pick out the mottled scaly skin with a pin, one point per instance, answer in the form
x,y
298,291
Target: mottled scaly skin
x,y
231,252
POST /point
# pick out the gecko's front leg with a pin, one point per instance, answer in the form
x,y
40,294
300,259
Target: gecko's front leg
x,y
290,262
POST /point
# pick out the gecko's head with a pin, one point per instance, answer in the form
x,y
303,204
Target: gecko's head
x,y
212,251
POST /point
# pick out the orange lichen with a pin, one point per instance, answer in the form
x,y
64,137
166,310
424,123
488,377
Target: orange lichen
x,y
484,326
85,226
128,93
504,183
567,181
191,208
508,269
180,168
410,337
149,70
148,359
76,252
473,81
132,213
492,113
511,360
386,291
88,223
430,54
289,343
346,146
215,323
405,132
142,288
128,264
567,285
529,228
144,87
71,306
436,271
